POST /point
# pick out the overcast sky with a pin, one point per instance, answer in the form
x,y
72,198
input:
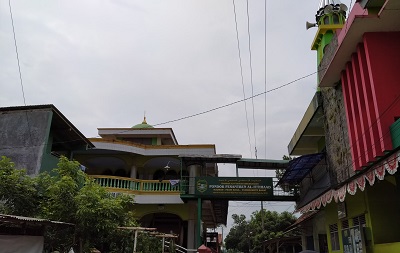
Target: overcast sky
x,y
103,63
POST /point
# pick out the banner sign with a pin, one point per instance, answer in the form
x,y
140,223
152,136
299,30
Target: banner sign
x,y
234,187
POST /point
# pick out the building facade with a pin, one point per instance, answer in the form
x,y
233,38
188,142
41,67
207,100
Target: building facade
x,y
34,137
351,129
144,161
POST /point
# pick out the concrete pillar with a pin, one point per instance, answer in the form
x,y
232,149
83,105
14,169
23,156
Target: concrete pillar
x,y
191,236
133,171
181,236
194,171
191,233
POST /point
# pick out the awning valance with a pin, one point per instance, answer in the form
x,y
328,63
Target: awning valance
x,y
389,165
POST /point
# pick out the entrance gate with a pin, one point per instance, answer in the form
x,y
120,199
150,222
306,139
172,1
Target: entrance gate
x,y
214,188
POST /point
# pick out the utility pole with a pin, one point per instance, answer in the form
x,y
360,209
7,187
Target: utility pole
x,y
262,215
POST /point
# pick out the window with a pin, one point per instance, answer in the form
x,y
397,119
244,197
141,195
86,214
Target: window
x,y
359,221
335,19
345,224
326,20
333,231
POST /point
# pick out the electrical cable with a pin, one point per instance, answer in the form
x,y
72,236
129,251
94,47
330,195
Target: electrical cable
x,y
238,101
241,74
251,78
16,52
19,69
190,116
265,79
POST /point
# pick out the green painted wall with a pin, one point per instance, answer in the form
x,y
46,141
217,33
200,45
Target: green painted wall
x,y
381,206
355,205
326,38
49,162
387,248
384,207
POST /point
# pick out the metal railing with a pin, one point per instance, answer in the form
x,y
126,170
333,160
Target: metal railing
x,y
125,184
179,248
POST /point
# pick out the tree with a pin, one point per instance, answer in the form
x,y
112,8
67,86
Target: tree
x,y
237,237
246,236
274,225
18,195
68,196
73,197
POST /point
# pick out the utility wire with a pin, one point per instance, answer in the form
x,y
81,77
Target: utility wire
x,y
16,51
238,101
241,74
265,78
19,70
251,78
186,117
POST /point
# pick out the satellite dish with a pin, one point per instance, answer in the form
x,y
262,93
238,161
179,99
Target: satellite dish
x,y
309,25
328,9
343,7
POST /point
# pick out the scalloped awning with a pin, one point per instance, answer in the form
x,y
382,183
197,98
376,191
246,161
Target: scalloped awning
x,y
389,165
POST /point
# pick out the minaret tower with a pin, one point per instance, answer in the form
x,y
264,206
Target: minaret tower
x,y
330,16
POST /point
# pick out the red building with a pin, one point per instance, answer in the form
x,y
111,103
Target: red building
x,y
351,132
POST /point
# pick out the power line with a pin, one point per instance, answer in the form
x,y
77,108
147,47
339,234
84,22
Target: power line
x,y
251,78
238,101
16,51
186,117
19,70
241,73
265,78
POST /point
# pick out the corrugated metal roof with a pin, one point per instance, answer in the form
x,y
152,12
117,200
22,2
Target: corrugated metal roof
x,y
16,219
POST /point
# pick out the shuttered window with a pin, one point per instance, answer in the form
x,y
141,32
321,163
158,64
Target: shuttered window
x,y
333,231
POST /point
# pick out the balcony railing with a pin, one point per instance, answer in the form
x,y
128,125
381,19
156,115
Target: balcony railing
x,y
136,186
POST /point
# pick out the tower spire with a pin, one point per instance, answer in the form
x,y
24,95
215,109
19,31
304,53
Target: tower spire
x,y
330,16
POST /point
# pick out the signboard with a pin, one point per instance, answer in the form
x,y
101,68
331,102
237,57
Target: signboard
x,y
234,187
353,240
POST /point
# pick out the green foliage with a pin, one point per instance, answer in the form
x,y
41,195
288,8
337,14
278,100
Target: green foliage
x,y
18,195
247,236
147,244
238,235
279,172
69,196
274,225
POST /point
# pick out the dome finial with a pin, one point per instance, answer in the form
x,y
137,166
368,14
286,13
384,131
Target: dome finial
x,y
144,123
144,118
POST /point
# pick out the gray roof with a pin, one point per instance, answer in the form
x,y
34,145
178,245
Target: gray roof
x,y
6,218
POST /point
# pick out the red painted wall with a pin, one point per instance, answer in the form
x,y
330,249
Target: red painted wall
x,y
371,89
383,61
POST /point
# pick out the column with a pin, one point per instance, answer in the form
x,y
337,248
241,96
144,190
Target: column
x,y
194,171
133,171
191,231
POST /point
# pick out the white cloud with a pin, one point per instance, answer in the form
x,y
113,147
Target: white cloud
x,y
103,63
